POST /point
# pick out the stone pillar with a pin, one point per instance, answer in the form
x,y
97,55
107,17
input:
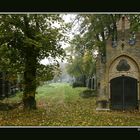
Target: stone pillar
x,y
102,101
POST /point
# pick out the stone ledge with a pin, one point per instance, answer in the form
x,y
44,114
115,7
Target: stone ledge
x,y
102,109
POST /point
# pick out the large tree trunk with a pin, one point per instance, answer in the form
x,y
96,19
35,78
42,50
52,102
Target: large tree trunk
x,y
30,70
30,79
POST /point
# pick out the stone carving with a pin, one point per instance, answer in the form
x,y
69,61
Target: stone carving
x,y
123,65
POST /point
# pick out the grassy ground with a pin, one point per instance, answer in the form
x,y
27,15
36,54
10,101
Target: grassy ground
x,y
60,105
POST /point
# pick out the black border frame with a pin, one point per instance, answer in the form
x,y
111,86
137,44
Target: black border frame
x,y
68,6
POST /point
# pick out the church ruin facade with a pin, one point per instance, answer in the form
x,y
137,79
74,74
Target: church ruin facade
x,y
118,77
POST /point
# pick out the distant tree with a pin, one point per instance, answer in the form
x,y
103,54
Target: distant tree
x,y
81,62
95,29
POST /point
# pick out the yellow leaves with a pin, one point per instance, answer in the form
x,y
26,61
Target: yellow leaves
x,y
73,115
87,57
60,105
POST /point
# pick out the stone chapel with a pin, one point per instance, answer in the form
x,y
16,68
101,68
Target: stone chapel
x,y
118,77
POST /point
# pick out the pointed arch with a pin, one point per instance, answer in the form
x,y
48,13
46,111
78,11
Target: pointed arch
x,y
133,72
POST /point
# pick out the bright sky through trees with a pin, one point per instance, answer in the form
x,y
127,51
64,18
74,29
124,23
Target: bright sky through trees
x,y
67,18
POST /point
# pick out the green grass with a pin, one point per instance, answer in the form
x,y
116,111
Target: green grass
x,y
60,105
57,92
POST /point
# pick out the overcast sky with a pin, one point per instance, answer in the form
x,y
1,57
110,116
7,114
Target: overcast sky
x,y
68,18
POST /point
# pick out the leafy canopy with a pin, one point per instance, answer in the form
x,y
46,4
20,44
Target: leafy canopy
x,y
42,32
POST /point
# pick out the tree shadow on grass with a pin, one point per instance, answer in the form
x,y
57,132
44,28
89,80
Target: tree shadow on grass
x,y
9,106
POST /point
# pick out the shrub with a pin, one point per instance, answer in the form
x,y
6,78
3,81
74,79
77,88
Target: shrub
x,y
88,93
77,84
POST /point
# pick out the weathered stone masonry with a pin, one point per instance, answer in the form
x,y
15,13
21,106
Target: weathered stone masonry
x,y
127,54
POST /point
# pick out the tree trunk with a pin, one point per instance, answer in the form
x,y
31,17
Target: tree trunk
x,y
30,70
30,79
